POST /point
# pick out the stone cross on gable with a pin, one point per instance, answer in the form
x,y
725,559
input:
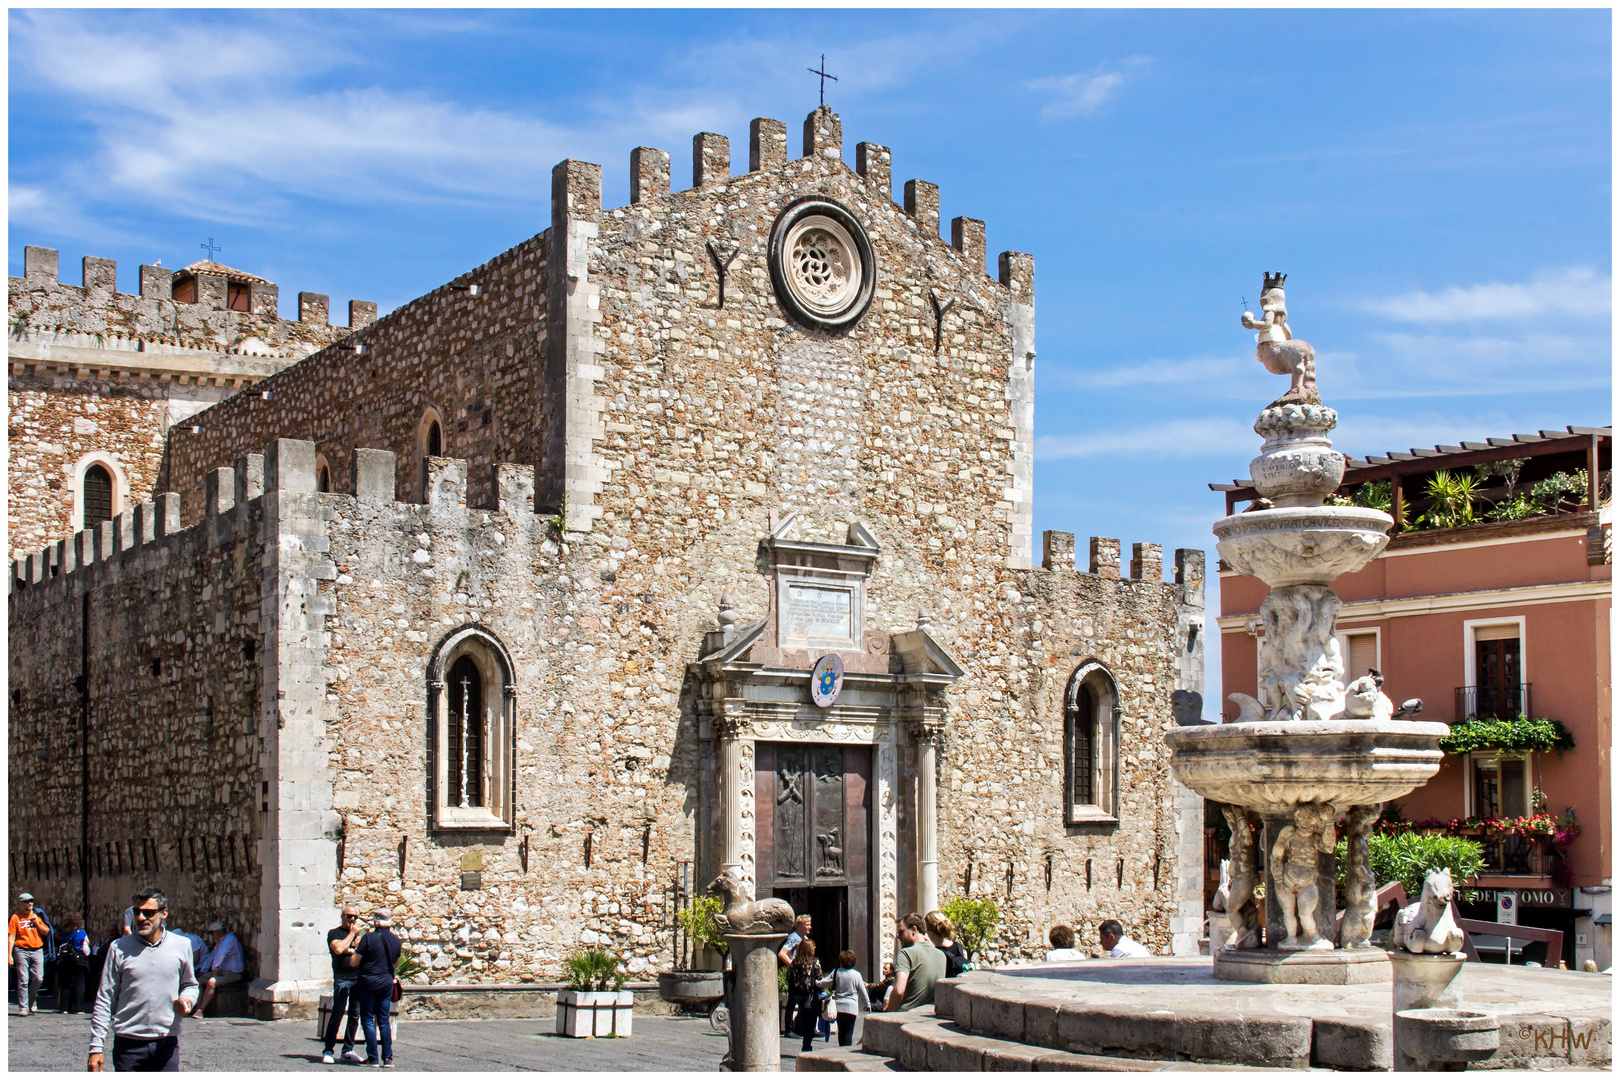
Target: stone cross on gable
x,y
822,72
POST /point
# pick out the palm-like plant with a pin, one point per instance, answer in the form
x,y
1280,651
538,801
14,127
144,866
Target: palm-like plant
x,y
1451,500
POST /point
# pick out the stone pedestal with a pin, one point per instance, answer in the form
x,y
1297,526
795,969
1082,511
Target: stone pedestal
x,y
1316,967
755,1039
1424,980
1425,984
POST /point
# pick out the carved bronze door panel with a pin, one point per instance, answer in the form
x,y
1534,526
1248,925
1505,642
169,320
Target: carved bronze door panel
x,y
813,822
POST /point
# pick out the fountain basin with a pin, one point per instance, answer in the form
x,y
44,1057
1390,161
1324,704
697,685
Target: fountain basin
x,y
1274,766
1302,545
1446,1036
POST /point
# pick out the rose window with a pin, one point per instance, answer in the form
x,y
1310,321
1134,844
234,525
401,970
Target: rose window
x,y
822,264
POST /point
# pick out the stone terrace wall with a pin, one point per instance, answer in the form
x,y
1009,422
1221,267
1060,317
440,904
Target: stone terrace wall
x,y
471,359
174,670
98,372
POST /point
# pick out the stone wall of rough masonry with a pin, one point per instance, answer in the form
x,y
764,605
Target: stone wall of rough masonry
x,y
598,750
100,374
174,672
681,432
468,359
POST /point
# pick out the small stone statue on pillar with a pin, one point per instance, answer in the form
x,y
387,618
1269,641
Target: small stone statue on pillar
x,y
754,931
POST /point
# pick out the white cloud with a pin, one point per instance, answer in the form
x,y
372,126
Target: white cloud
x,y
1085,92
1193,370
1194,438
1577,292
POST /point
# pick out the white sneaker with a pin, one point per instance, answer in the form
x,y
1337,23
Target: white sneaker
x,y
354,1056
328,1059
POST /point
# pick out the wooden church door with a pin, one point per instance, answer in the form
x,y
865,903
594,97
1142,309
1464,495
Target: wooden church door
x,y
813,828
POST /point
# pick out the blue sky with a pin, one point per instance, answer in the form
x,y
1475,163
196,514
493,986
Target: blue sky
x,y
1437,185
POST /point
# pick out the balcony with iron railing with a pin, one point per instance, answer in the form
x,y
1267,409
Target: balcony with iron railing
x,y
1492,702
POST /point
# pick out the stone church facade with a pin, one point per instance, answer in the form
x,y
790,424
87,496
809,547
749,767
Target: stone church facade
x,y
503,610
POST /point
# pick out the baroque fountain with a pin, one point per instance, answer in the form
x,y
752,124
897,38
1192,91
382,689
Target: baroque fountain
x,y
1318,745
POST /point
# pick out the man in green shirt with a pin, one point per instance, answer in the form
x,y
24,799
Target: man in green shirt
x,y
918,967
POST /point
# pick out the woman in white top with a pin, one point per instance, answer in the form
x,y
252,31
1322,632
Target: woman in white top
x,y
849,995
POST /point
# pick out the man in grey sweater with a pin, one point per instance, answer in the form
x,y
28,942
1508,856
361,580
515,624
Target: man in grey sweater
x,y
147,985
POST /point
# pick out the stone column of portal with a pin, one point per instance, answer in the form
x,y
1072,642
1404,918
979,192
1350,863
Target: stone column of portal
x,y
729,733
756,1044
928,738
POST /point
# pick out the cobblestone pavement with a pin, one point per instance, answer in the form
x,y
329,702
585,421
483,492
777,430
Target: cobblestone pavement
x,y
53,1042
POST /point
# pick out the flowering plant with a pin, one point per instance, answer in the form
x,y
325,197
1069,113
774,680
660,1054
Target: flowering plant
x,y
1562,830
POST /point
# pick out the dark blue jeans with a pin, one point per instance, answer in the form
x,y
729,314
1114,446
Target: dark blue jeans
x,y
376,995
343,999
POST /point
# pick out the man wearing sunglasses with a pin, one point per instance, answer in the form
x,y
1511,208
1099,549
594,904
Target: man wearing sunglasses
x,y
147,985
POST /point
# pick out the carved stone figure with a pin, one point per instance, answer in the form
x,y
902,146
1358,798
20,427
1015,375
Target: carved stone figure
x,y
1360,891
1427,926
1277,348
1224,889
1241,910
1300,670
1363,700
1294,873
745,916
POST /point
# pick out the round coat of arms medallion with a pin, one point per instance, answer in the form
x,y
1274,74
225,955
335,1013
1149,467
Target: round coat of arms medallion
x,y
826,680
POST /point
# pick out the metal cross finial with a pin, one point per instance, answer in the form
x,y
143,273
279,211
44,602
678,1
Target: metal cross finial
x,y
211,247
822,72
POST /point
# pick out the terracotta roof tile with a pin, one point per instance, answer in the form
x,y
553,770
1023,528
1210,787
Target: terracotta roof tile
x,y
207,266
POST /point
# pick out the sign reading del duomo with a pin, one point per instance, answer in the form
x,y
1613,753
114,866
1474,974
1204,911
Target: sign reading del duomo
x,y
501,610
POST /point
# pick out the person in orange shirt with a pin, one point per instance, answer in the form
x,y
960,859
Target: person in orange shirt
x,y
25,937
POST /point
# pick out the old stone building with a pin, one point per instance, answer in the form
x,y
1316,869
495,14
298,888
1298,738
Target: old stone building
x,y
100,377
508,619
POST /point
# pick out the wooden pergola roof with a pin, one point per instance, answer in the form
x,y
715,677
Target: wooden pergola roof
x,y
1596,443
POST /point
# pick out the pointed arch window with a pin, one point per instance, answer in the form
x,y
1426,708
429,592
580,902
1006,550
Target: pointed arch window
x,y
472,706
1091,745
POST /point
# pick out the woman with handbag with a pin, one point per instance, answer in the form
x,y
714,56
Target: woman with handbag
x,y
376,956
848,998
803,978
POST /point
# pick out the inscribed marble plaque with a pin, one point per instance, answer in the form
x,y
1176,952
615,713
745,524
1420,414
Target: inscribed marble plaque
x,y
819,614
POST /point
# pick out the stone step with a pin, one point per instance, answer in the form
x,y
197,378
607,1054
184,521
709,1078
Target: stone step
x,y
1274,1041
922,1042
845,1059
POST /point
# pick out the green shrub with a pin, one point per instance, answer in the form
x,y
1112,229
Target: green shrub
x,y
1408,858
1520,733
698,922
408,966
594,969
1551,491
975,919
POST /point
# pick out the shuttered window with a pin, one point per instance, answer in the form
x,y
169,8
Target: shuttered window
x,y
1360,655
98,489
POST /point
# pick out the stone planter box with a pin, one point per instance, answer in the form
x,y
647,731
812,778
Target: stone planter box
x,y
586,1014
324,1013
692,989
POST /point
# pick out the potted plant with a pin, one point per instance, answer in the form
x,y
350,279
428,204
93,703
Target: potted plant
x,y
701,989
595,1002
